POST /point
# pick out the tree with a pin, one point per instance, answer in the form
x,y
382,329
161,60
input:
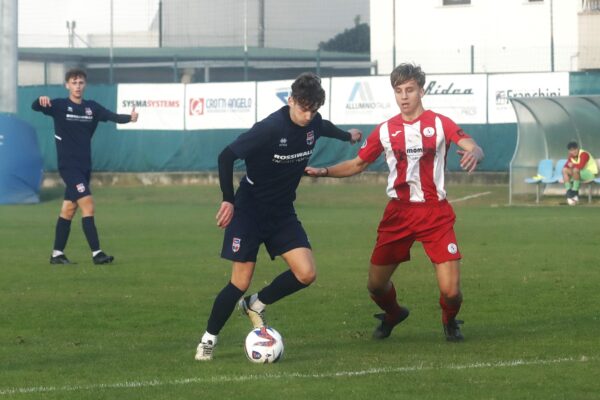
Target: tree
x,y
355,40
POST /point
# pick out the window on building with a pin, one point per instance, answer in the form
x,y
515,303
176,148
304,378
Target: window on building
x,y
455,2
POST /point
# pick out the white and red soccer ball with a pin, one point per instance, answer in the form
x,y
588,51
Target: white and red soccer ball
x,y
264,345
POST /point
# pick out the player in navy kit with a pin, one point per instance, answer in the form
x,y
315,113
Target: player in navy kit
x,y
75,120
276,151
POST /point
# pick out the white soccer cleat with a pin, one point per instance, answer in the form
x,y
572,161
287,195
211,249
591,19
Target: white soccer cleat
x,y
256,317
204,351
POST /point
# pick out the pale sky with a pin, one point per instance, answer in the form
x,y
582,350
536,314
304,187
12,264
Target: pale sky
x,y
42,23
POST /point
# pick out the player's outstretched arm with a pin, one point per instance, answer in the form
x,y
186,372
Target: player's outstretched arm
x,y
341,170
352,135
471,154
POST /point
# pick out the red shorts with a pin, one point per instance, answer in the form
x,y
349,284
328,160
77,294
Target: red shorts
x,y
403,223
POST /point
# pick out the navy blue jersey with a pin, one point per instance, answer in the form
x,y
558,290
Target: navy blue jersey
x,y
276,151
74,126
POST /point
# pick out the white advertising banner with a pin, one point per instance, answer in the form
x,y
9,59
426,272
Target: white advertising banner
x,y
272,95
502,87
220,105
463,98
362,100
160,106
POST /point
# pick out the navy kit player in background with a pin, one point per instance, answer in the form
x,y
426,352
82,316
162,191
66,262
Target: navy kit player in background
x,y
276,151
75,120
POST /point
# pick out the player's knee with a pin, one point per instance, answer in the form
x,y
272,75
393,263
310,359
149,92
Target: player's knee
x,y
377,288
68,212
306,277
241,284
452,295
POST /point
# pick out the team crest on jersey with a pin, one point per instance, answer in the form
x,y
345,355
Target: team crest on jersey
x,y
69,109
88,111
235,244
429,131
310,138
80,187
452,248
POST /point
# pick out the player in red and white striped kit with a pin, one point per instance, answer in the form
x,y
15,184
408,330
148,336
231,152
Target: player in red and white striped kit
x,y
415,144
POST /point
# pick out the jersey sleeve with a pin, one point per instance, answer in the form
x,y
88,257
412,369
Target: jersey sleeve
x,y
453,132
252,141
104,115
332,131
35,106
583,160
371,148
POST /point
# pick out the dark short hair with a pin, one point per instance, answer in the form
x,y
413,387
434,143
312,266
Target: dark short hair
x,y
75,73
572,145
307,91
405,72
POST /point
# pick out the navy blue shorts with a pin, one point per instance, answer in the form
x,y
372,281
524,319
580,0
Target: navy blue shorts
x,y
77,183
277,227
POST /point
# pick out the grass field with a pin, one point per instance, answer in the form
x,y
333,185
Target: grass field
x,y
531,280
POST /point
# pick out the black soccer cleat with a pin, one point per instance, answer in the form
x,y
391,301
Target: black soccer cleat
x,y
60,259
102,258
452,331
385,328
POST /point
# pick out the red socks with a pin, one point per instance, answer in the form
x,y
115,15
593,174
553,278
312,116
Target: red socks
x,y
449,308
388,303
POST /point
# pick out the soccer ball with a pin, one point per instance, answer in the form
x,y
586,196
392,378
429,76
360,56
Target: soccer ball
x,y
572,201
264,345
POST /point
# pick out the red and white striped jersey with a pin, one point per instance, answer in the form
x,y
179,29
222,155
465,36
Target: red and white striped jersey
x,y
415,153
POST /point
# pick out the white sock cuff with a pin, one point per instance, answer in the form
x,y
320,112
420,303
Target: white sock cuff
x,y
256,304
207,336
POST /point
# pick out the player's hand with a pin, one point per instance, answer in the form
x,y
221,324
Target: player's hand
x,y
469,159
316,172
225,214
356,135
45,101
134,115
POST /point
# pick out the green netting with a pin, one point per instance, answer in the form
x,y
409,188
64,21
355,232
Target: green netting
x,y
545,126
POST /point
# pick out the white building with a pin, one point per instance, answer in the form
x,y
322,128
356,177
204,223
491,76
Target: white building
x,y
286,24
464,36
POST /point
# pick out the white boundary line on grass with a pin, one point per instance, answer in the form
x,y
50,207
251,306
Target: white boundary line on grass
x,y
293,375
472,196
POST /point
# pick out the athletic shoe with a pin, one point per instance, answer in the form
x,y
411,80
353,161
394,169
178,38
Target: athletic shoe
x,y
385,328
204,351
570,193
257,318
61,259
452,331
102,258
